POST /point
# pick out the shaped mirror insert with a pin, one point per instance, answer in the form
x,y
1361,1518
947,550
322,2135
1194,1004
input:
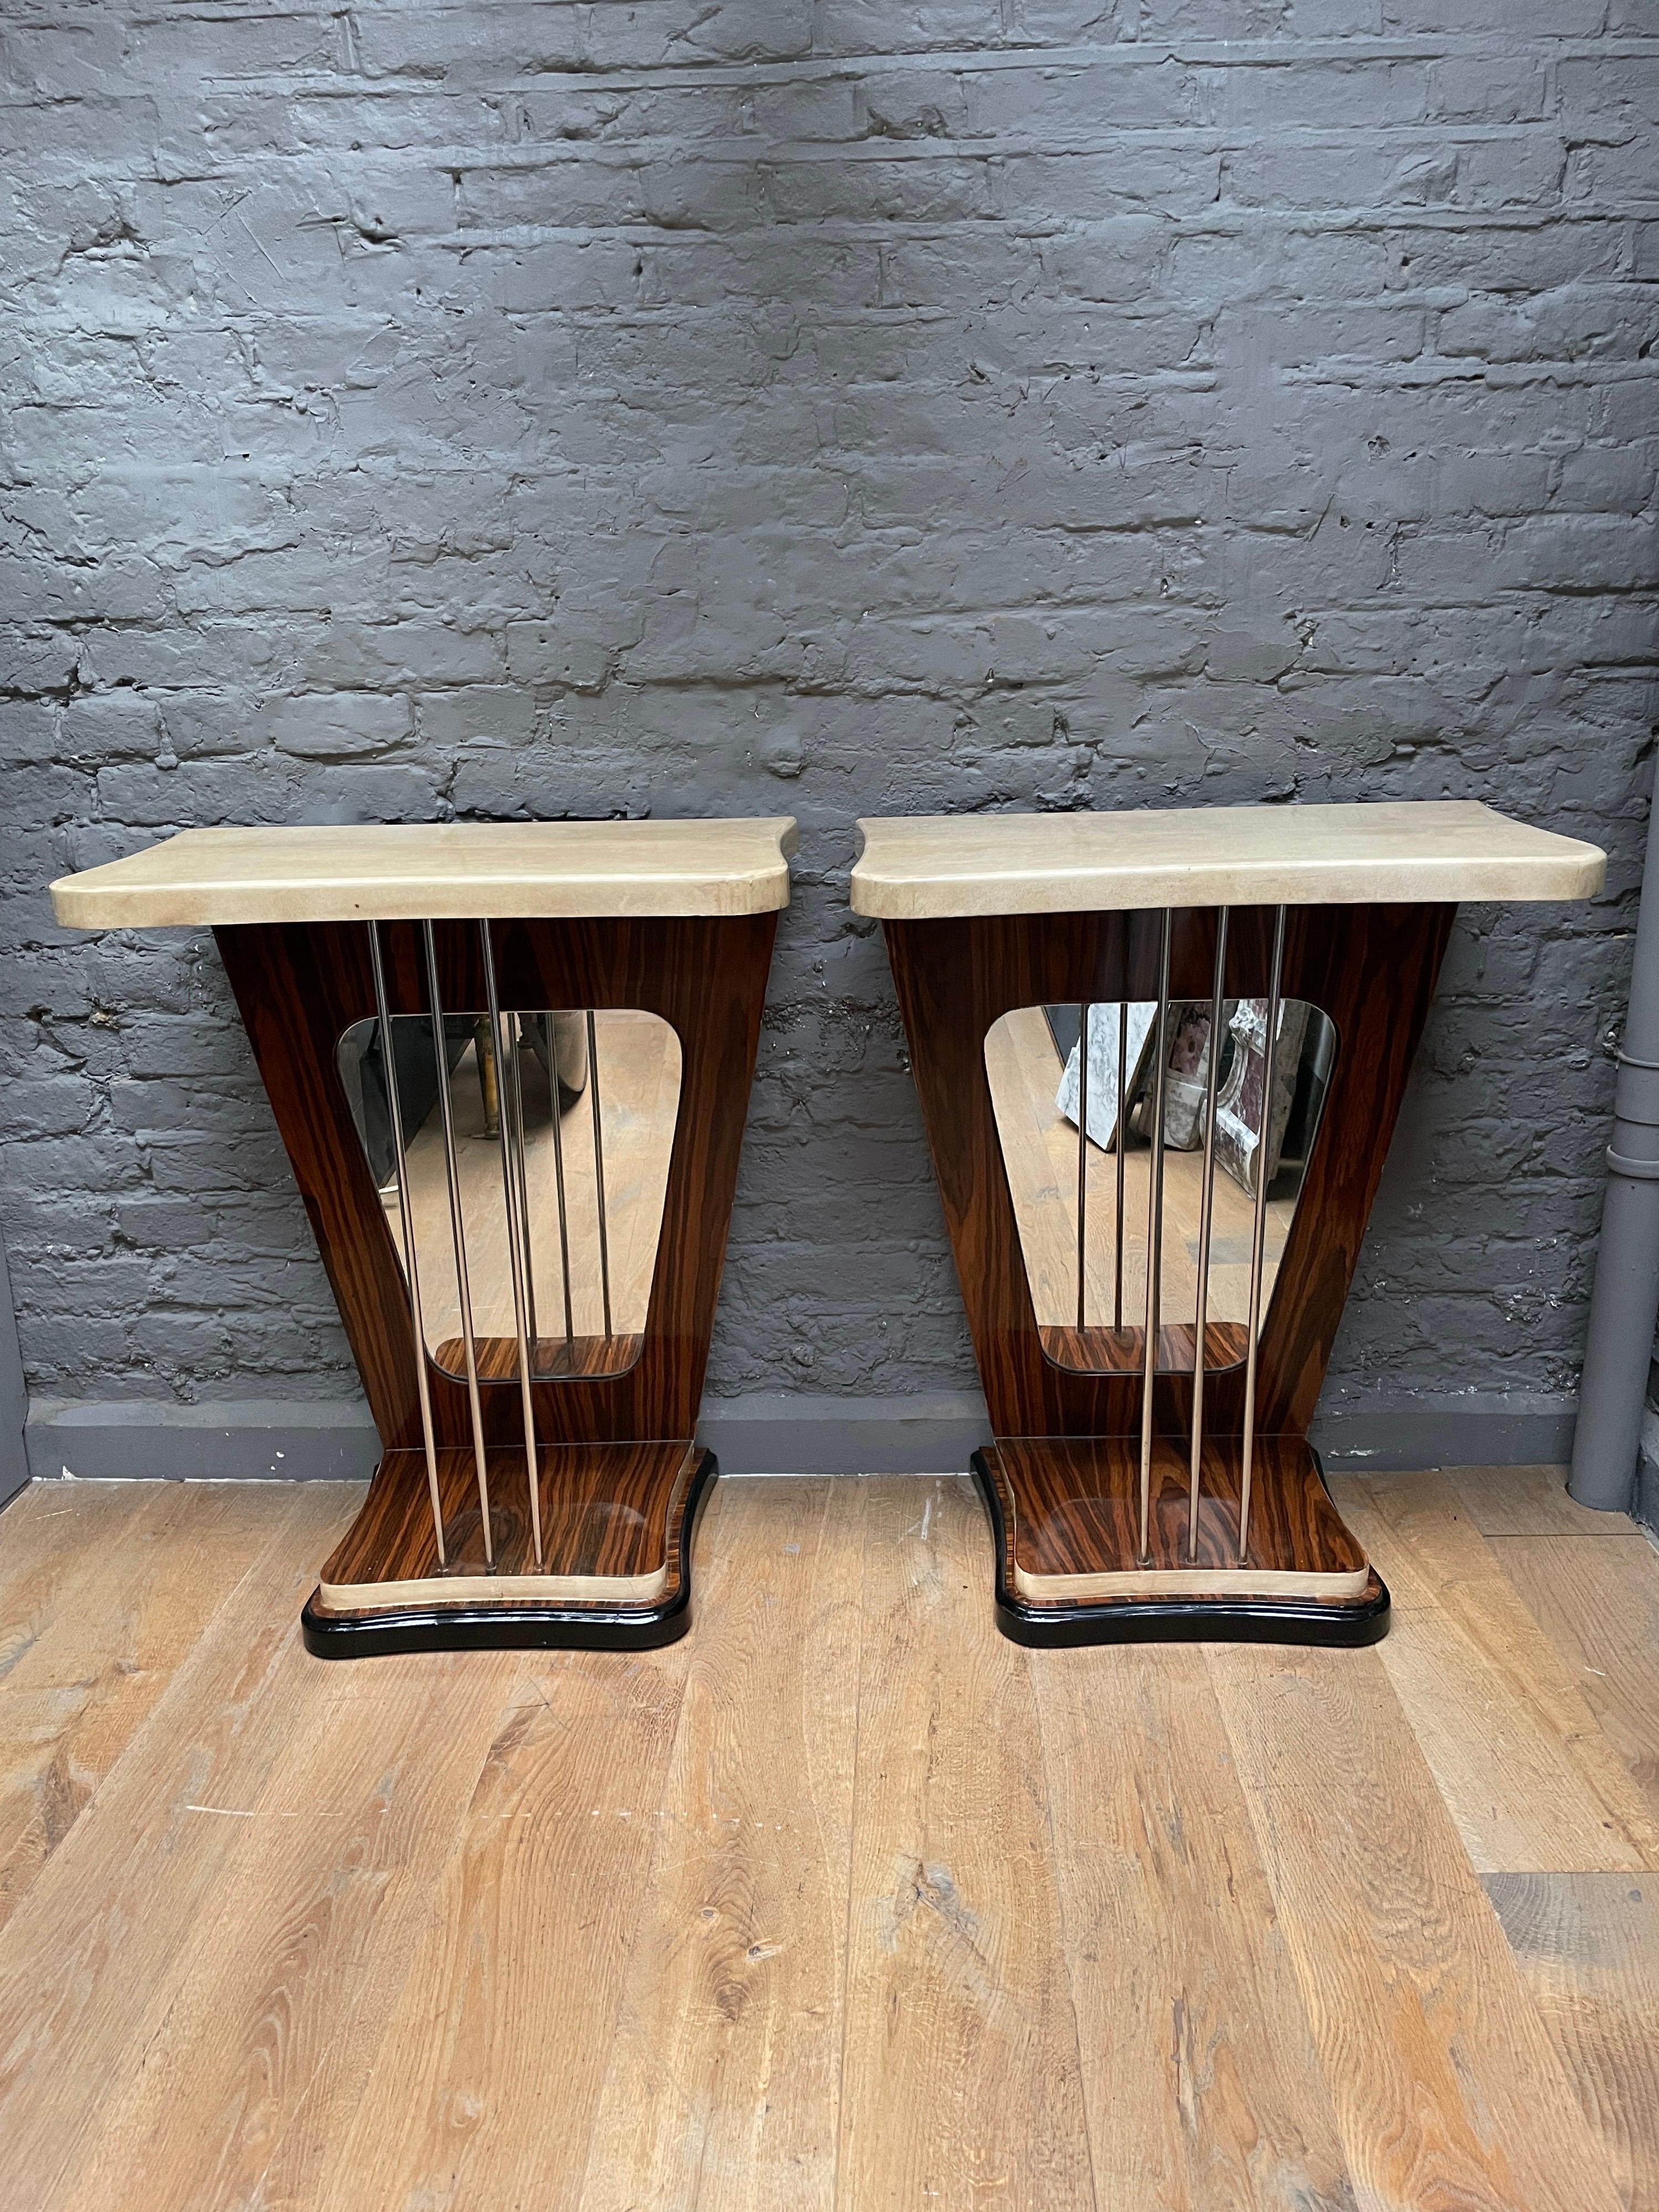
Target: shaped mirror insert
x,y
1031,1062
590,1099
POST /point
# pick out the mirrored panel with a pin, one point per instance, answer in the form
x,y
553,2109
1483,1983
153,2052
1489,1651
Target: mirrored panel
x,y
1088,1201
588,1101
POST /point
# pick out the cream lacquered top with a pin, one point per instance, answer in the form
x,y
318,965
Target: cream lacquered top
x,y
437,871
918,867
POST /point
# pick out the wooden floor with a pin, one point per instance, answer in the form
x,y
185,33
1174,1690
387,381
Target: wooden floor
x,y
845,1901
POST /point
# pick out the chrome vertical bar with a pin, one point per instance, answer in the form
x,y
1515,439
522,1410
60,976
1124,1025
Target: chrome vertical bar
x,y
598,1167
1154,1237
519,1152
1206,1210
1122,1079
458,1231
1082,1161
1259,1235
564,1220
406,1215
509,1140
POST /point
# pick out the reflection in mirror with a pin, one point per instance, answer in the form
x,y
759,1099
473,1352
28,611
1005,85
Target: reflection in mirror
x,y
1031,1061
596,1095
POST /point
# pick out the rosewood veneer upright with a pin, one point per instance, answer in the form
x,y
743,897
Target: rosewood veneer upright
x,y
539,1480
1172,1491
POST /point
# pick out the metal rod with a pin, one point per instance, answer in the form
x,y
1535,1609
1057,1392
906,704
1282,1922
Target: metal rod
x,y
598,1167
558,1177
1259,1235
406,1215
1122,1079
458,1231
1154,1237
1082,1162
1207,1209
512,1140
519,1152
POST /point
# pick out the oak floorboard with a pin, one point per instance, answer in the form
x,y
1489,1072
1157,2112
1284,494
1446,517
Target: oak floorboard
x,y
722,2088
1529,1501
1446,2090
1203,2089
89,1654
488,2077
91,1955
1516,1752
1588,1949
1598,1602
963,2081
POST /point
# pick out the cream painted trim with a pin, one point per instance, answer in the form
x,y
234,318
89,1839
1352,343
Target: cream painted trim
x,y
437,1593
1190,1582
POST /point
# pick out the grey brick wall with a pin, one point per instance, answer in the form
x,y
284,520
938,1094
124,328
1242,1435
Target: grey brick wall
x,y
496,409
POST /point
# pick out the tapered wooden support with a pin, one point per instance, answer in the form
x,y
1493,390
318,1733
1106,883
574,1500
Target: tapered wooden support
x,y
555,1507
1131,1494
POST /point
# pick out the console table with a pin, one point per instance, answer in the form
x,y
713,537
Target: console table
x,y
1160,1056
510,1065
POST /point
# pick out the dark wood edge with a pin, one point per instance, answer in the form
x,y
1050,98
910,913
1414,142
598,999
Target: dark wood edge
x,y
1182,1620
519,1627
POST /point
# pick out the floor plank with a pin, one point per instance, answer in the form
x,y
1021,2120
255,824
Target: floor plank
x,y
1599,1604
961,2084
89,1652
1529,1501
723,2084
1202,2085
1588,1948
1446,2090
90,1957
489,2077
1530,1778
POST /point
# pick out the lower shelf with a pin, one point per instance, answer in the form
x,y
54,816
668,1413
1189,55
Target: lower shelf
x,y
1066,1515
616,1526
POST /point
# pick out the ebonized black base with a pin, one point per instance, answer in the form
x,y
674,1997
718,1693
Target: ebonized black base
x,y
1184,1620
519,1627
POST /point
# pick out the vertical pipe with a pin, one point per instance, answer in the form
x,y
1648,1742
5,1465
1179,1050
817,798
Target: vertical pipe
x,y
564,1218
1206,1214
1123,1081
458,1231
517,1089
511,1138
1259,1235
1612,1391
406,1215
1082,1163
598,1167
1154,1239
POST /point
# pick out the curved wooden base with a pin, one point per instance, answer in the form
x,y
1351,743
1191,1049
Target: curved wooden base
x,y
1064,1513
617,1522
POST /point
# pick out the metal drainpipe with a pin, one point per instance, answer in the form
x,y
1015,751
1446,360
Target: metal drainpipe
x,y
1625,1304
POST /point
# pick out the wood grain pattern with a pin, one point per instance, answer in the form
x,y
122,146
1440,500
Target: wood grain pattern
x,y
963,2084
1530,1779
300,986
1202,2085
1529,1501
1598,1603
722,2082
1446,2090
1588,1949
610,1528
1371,969
86,1651
1076,1522
550,1356
1163,1928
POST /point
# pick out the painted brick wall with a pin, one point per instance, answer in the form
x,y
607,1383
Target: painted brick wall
x,y
410,411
